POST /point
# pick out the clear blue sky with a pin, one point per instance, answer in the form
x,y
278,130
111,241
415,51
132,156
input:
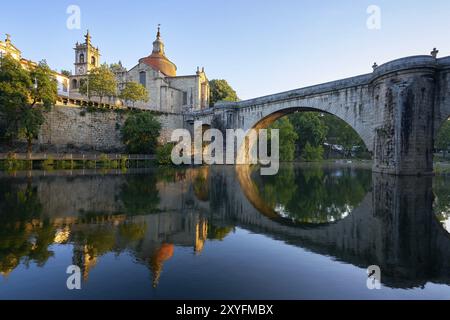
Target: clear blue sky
x,y
259,46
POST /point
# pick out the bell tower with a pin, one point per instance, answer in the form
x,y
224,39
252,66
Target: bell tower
x,y
87,57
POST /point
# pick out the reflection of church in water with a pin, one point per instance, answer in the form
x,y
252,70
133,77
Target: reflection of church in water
x,y
151,239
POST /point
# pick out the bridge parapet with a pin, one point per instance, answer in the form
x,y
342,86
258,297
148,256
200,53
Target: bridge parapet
x,y
444,62
403,64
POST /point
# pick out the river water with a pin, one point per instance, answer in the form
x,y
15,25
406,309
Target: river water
x,y
224,232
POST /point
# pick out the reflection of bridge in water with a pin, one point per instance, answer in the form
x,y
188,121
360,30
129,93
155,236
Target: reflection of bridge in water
x,y
393,227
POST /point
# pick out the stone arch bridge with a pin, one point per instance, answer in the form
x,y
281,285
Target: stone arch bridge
x,y
396,110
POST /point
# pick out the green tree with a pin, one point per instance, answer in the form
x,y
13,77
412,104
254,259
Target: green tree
x,y
134,92
15,87
339,132
310,128
66,73
101,82
221,91
29,125
443,137
164,154
288,138
23,97
116,67
45,88
140,133
311,153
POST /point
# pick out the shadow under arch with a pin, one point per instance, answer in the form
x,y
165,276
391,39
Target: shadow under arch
x,y
244,155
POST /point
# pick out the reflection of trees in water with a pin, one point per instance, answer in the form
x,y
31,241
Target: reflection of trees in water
x,y
201,180
218,232
18,201
26,235
131,232
140,195
23,239
442,200
314,195
25,244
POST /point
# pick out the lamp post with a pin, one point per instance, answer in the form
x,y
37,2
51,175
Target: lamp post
x,y
87,89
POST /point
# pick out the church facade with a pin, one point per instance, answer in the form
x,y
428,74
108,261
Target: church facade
x,y
168,92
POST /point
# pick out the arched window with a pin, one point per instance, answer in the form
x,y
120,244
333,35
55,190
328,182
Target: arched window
x,y
74,83
93,61
142,78
82,58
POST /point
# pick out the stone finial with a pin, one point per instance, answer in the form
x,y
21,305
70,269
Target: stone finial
x,y
203,69
375,65
88,37
158,34
434,53
8,38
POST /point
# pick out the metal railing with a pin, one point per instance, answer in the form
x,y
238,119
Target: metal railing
x,y
74,156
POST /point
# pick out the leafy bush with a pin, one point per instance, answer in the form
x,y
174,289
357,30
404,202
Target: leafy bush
x,y
288,138
90,164
311,153
104,161
12,163
163,154
48,163
140,133
123,162
65,164
114,164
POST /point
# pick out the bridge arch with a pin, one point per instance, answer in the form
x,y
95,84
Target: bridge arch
x,y
267,118
265,122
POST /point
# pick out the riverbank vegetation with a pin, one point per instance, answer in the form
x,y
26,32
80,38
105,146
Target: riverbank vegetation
x,y
140,133
313,136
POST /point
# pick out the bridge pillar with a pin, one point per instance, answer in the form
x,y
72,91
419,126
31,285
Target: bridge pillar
x,y
404,104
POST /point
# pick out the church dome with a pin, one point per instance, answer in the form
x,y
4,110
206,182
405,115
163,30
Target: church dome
x,y
158,60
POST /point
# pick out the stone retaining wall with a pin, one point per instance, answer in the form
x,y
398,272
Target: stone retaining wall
x,y
69,128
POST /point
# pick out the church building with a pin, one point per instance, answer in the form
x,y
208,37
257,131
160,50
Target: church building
x,y
167,91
